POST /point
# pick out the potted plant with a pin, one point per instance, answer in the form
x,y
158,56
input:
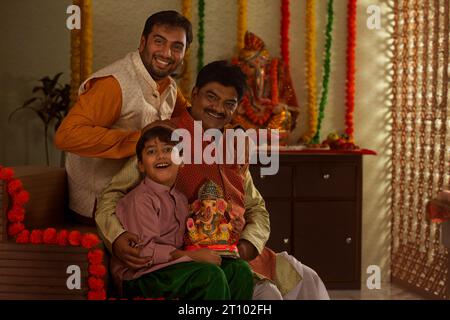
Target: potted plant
x,y
50,103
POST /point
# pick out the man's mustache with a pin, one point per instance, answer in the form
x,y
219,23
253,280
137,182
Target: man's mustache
x,y
213,111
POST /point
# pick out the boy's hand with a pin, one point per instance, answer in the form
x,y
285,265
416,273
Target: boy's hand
x,y
205,255
126,250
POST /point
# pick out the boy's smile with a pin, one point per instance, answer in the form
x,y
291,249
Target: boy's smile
x,y
157,163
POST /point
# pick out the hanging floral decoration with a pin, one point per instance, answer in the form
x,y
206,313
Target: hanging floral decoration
x,y
81,48
311,70
86,39
326,70
285,23
201,34
350,83
185,81
75,60
50,236
242,23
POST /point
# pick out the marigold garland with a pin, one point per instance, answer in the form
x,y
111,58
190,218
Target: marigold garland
x,y
75,60
285,23
326,70
86,39
62,238
6,174
311,69
350,83
97,295
95,256
15,228
241,23
201,34
51,236
97,270
36,237
185,81
89,240
74,238
81,48
23,237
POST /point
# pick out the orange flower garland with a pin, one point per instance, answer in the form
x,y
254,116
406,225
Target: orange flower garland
x,y
75,60
81,48
311,70
350,84
242,23
50,236
86,39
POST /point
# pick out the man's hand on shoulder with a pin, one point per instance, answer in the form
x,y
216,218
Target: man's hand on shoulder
x,y
125,249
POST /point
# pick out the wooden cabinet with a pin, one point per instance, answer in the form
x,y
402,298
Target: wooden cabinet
x,y
315,209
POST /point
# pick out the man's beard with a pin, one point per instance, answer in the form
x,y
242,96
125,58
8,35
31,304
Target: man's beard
x,y
158,74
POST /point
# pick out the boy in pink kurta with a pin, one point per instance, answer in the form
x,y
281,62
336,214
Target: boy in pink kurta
x,y
157,212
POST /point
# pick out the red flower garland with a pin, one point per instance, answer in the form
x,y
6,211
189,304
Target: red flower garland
x,y
16,228
50,236
97,270
95,256
23,237
36,237
16,214
285,22
96,295
62,238
351,46
89,240
14,186
74,238
6,174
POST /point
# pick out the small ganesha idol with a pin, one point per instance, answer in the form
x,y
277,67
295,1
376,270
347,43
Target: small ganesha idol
x,y
208,225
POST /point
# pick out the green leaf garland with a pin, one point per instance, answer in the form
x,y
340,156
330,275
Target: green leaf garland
x,y
201,34
326,71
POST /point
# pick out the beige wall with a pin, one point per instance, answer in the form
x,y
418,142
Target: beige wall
x,y
44,48
35,43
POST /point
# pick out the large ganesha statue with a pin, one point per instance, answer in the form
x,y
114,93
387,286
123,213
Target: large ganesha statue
x,y
270,101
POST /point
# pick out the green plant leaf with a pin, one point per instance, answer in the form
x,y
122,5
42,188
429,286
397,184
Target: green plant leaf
x,y
56,77
29,101
36,89
24,106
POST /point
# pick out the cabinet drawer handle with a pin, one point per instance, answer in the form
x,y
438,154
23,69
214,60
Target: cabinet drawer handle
x,y
262,176
326,176
348,240
286,240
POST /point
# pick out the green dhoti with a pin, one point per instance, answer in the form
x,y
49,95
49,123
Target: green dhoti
x,y
195,281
